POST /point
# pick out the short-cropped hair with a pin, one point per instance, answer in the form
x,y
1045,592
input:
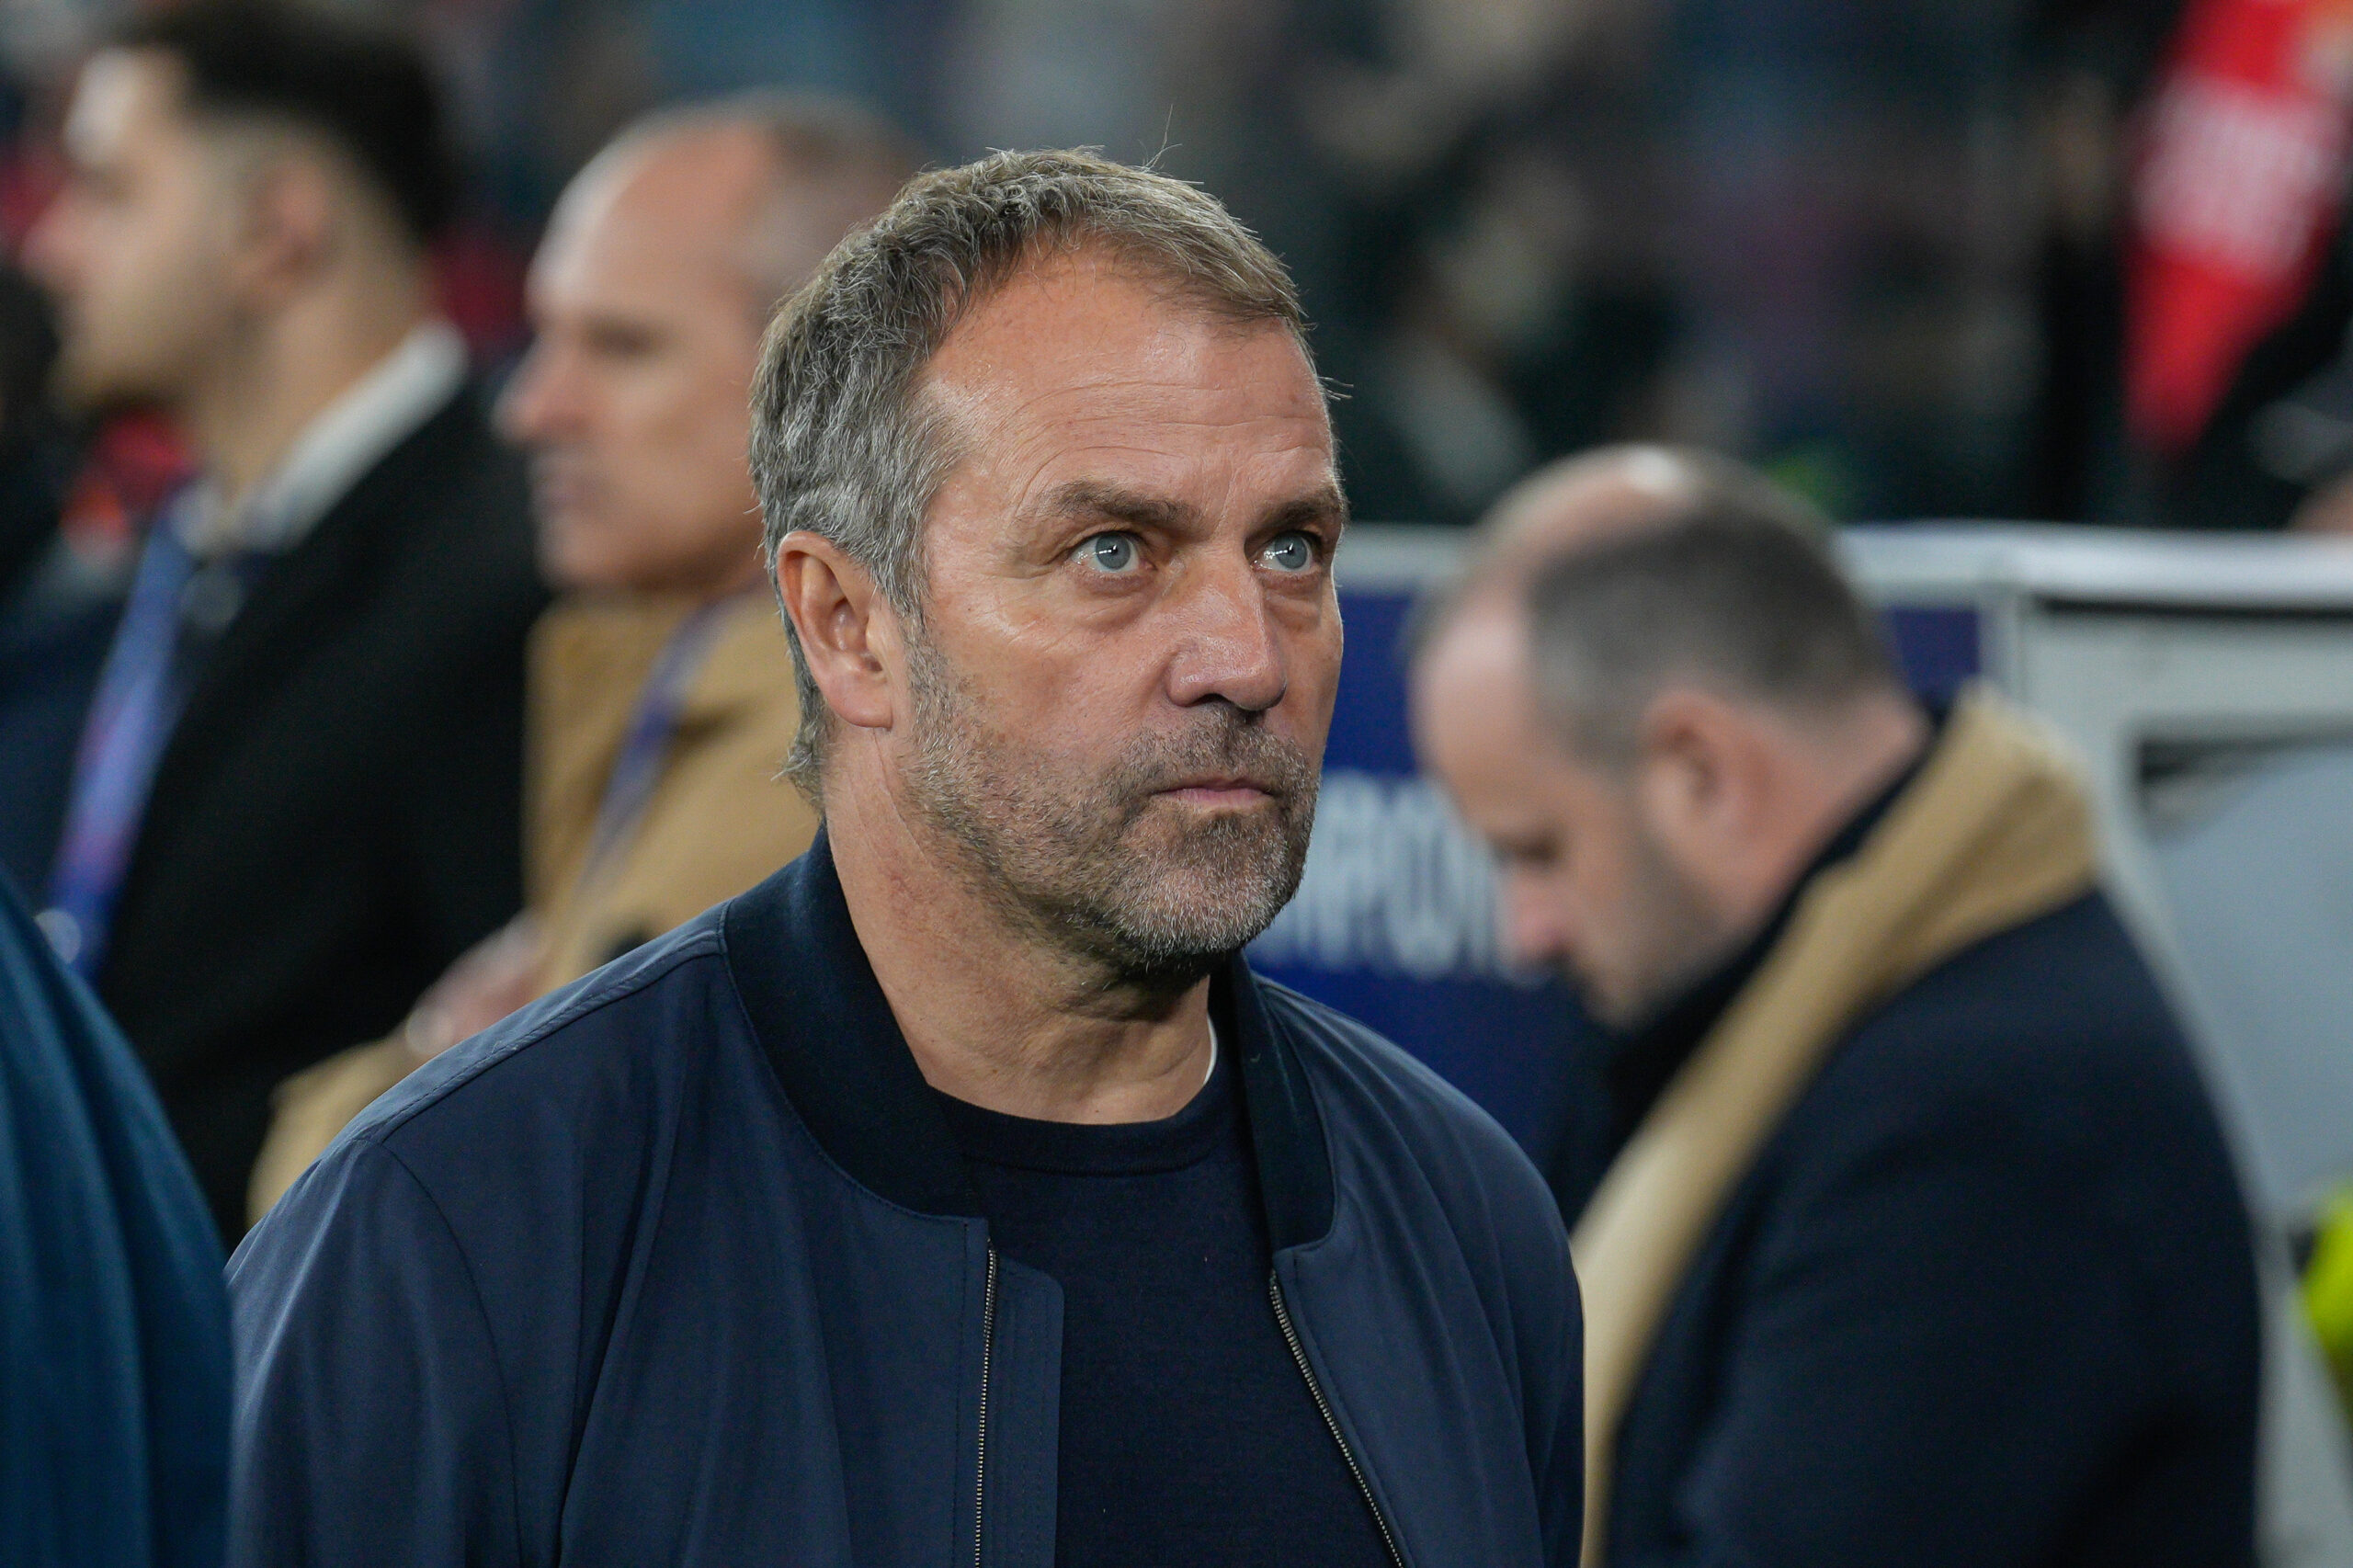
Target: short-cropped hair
x,y
845,444
363,88
1734,589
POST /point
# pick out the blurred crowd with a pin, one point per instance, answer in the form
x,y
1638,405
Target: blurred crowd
x,y
1887,249
1880,248
1891,251
385,643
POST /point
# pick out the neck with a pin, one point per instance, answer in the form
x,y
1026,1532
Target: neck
x,y
283,371
1837,772
993,1013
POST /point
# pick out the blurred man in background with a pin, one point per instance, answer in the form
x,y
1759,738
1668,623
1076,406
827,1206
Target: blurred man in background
x,y
1918,1241
662,702
297,790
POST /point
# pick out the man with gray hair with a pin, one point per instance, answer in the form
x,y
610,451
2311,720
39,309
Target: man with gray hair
x,y
1907,1230
957,1195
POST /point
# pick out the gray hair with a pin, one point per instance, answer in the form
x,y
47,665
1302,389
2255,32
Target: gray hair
x,y
1733,586
845,444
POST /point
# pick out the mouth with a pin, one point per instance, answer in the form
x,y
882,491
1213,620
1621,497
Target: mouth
x,y
557,495
1213,792
559,478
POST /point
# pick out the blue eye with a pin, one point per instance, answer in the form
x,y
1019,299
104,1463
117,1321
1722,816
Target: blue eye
x,y
1290,552
1112,553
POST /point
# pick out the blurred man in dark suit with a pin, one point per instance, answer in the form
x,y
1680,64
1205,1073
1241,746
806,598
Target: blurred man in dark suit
x,y
1918,1241
297,793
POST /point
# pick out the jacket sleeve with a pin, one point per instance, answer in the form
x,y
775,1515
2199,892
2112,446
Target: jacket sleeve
x,y
372,1422
1933,1348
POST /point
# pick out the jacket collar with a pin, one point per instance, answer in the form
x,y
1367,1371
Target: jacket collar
x,y
828,1031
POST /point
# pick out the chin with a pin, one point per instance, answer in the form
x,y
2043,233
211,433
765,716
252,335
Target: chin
x,y
1612,1007
573,567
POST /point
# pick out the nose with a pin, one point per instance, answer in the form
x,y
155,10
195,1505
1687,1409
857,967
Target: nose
x,y
1535,934
534,405
1232,650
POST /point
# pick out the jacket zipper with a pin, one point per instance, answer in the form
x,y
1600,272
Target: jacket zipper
x,y
981,1461
1331,1422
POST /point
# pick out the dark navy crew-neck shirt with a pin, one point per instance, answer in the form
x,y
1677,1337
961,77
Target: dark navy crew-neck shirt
x,y
1188,1432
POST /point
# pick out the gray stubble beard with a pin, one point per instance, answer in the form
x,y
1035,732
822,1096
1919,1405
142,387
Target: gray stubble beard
x,y
1064,856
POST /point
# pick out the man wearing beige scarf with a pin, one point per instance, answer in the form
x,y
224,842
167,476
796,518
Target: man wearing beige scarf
x,y
1905,1230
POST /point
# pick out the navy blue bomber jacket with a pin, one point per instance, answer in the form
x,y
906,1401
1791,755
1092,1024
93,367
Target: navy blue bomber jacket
x,y
680,1266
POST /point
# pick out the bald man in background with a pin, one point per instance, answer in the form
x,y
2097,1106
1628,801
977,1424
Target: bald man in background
x,y
1906,1230
661,697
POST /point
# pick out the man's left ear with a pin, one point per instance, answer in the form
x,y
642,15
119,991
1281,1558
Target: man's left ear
x,y
848,635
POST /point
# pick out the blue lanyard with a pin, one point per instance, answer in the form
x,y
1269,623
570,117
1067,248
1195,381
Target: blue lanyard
x,y
175,610
646,746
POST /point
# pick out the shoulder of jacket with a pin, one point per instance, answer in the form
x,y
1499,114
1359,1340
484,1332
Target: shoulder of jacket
x,y
2061,999
596,651
2050,1042
582,1016
1326,1030
458,486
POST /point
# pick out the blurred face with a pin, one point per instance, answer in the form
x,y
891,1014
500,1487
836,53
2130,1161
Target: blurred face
x,y
632,401
138,245
1131,644
1589,887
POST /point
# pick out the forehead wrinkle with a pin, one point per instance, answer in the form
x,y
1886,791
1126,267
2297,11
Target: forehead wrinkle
x,y
1167,355
1158,497
1034,418
1038,449
1078,438
1123,396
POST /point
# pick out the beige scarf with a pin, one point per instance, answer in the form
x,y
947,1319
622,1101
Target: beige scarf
x,y
1994,832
